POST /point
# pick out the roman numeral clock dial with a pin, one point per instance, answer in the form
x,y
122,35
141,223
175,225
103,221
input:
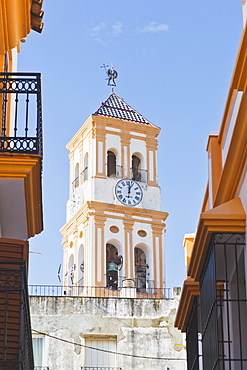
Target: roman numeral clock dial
x,y
128,192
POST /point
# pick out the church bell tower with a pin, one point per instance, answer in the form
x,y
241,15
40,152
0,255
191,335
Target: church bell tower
x,y
114,228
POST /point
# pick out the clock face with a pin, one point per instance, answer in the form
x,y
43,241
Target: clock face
x,y
128,192
75,200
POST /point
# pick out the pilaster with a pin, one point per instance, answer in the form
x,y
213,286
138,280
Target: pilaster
x,y
157,231
125,154
128,248
100,253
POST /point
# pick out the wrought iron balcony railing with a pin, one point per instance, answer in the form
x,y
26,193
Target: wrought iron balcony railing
x,y
15,342
21,113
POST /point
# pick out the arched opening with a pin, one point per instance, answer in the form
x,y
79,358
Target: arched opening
x,y
76,178
113,262
85,169
141,267
111,164
71,269
136,168
81,265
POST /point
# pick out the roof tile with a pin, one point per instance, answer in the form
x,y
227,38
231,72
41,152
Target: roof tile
x,y
117,108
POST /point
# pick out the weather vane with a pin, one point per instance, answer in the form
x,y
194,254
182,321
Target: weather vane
x,y
111,75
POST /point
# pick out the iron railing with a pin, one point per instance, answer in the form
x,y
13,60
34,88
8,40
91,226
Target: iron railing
x,y
16,341
84,174
116,171
75,183
99,368
223,304
138,174
21,111
192,346
97,291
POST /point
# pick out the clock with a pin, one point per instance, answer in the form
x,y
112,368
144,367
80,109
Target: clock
x,y
75,201
128,192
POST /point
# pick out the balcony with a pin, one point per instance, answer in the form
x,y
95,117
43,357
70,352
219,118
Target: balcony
x,y
21,126
114,171
20,155
138,174
15,328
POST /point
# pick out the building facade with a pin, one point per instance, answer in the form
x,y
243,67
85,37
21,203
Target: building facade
x,y
20,179
213,306
112,310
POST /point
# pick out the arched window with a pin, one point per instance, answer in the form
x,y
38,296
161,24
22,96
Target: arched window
x,y
112,263
76,179
71,269
136,168
85,169
111,164
80,269
141,267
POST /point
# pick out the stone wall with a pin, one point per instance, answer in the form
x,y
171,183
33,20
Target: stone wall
x,y
142,327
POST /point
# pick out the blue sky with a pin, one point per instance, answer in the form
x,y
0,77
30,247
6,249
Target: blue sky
x,y
175,60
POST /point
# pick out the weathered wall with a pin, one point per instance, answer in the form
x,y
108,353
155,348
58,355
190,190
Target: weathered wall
x,y
143,327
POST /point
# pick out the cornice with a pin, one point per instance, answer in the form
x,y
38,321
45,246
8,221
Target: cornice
x,y
189,292
228,217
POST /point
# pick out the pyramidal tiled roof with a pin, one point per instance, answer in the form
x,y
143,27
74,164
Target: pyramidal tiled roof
x,y
117,108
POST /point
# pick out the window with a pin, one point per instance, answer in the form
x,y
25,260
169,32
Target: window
x,y
38,345
113,260
100,359
111,164
85,170
76,179
140,270
80,282
136,168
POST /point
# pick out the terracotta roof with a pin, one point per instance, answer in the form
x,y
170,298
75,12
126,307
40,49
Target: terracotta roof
x,y
117,108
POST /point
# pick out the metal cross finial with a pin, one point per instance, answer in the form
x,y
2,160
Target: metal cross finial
x,y
112,75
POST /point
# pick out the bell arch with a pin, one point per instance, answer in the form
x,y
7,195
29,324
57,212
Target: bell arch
x,y
114,263
71,268
111,163
81,265
136,166
142,264
85,168
76,176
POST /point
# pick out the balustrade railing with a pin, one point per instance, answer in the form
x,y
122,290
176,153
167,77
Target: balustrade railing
x,y
21,113
97,291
